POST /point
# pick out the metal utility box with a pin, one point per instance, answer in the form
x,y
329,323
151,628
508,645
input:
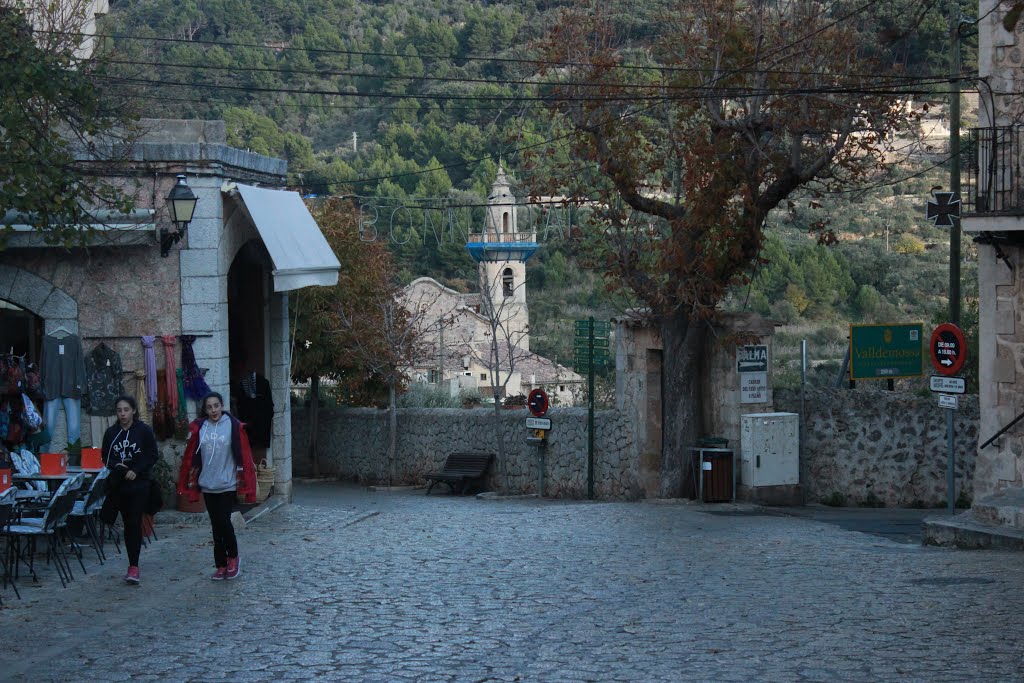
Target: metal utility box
x,y
770,449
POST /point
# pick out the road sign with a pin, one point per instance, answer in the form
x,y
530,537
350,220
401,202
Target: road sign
x,y
537,402
886,351
601,327
538,423
942,209
583,364
947,385
753,387
948,401
584,342
752,359
948,349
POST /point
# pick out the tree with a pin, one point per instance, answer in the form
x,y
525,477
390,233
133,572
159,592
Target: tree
x,y
732,107
503,350
333,324
63,135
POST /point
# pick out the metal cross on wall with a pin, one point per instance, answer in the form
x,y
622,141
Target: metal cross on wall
x,y
942,209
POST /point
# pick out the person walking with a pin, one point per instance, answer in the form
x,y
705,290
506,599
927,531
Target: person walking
x,y
218,462
129,452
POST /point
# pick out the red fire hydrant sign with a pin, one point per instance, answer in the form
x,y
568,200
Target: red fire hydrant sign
x,y
948,349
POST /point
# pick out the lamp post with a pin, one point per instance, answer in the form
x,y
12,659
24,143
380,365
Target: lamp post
x,y
182,203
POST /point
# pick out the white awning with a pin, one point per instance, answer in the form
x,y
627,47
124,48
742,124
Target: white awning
x,y
301,255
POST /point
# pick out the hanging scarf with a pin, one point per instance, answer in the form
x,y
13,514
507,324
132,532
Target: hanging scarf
x,y
171,375
182,416
149,363
195,385
140,395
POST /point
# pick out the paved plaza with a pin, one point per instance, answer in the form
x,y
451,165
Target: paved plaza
x,y
354,585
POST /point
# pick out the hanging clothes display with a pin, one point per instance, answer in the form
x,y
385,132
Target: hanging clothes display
x,y
62,366
171,372
13,427
140,396
182,403
103,372
195,385
256,409
62,370
149,363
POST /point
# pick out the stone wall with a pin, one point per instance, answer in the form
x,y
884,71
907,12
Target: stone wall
x,y
861,446
869,445
354,446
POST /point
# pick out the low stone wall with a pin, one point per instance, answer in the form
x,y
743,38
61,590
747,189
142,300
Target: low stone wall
x,y
353,445
871,446
860,447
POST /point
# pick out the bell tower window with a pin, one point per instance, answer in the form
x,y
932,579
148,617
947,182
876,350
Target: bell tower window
x,y
504,222
507,283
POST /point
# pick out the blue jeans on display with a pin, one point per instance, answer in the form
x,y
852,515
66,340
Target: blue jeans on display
x,y
72,414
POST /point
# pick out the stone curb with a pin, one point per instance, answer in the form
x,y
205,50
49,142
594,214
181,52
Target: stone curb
x,y
963,532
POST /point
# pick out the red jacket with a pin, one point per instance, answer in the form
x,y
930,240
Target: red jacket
x,y
240,450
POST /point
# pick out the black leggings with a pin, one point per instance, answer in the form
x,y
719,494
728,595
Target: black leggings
x,y
132,502
219,506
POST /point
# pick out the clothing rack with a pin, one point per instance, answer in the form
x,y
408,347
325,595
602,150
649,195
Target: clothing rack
x,y
136,336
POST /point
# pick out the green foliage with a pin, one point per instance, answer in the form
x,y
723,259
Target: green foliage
x,y
422,395
54,121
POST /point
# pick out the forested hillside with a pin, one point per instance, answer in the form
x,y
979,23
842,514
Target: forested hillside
x,y
402,102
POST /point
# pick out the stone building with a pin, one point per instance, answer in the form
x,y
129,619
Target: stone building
x,y
994,216
460,327
225,281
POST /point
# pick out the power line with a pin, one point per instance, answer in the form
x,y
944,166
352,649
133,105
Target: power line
x,y
883,90
323,73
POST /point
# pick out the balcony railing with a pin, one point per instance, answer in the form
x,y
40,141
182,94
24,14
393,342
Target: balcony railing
x,y
491,236
991,178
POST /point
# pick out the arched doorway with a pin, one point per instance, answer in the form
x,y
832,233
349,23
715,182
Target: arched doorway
x,y
21,331
249,290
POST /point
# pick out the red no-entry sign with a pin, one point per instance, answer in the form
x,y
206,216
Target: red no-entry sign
x,y
948,349
537,402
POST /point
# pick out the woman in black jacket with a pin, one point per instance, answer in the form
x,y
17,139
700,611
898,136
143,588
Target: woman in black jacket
x,y
129,452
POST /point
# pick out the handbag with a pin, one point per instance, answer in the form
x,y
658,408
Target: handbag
x,y
155,502
31,417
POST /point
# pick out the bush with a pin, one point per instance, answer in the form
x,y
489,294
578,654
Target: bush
x,y
421,395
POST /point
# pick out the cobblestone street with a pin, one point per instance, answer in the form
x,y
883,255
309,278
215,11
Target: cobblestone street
x,y
352,585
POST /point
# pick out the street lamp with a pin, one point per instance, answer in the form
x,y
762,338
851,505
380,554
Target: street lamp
x,y
182,202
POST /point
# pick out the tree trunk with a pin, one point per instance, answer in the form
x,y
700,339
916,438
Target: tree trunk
x,y
683,342
500,431
314,424
392,429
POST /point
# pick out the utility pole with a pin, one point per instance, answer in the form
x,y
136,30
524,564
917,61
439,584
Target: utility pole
x,y
954,164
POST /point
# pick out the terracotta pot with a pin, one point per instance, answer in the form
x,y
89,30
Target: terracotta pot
x,y
186,505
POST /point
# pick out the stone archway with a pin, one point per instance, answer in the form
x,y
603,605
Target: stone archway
x,y
37,295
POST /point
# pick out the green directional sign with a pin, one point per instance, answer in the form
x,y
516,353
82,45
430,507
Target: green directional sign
x,y
600,326
886,351
584,343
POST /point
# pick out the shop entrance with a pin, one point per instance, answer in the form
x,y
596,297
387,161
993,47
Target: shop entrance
x,y
21,332
248,343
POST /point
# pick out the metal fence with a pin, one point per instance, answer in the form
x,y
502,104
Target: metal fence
x,y
991,171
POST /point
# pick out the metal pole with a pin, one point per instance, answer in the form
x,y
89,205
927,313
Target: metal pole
x,y
803,407
590,413
950,465
954,165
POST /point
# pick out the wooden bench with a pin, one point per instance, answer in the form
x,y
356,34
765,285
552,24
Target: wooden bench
x,y
461,469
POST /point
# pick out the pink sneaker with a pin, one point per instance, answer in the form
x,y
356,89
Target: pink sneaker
x,y
132,577
232,569
220,574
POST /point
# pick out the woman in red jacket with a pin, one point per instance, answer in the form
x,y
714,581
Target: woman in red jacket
x,y
218,463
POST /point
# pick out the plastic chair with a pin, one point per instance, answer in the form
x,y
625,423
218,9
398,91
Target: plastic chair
x,y
8,500
49,527
87,509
